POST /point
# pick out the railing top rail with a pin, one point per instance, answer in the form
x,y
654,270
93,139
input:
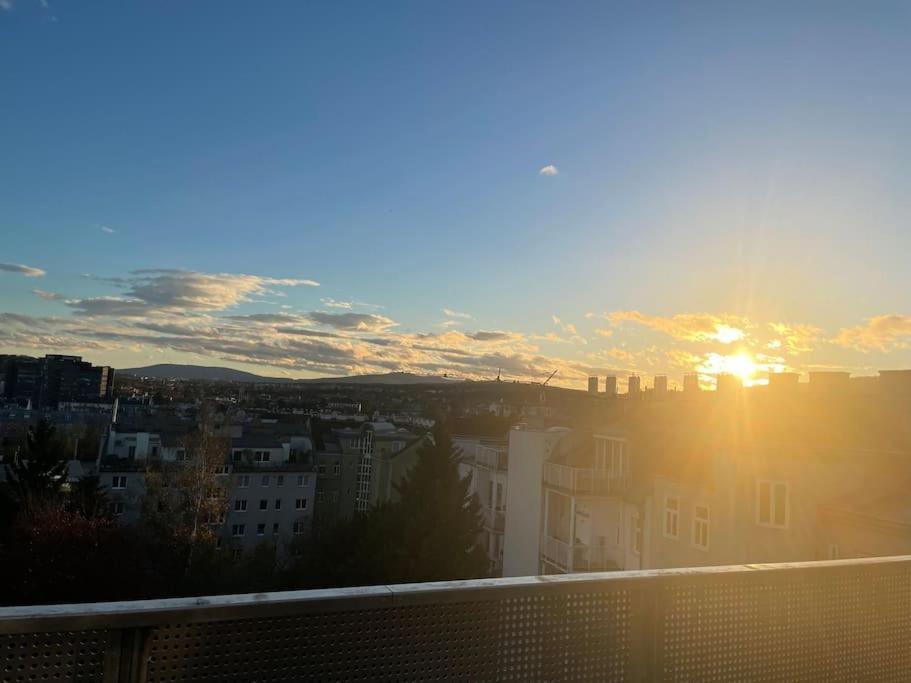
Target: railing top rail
x,y
106,615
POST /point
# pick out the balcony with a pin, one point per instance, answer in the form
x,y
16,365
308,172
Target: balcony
x,y
844,620
494,520
584,557
495,459
584,482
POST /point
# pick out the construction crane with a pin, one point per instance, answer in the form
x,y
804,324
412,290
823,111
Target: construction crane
x,y
543,398
550,377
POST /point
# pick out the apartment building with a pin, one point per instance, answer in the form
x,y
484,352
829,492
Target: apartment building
x,y
485,461
358,467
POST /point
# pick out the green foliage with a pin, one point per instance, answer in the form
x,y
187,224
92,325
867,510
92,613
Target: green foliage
x,y
429,534
37,473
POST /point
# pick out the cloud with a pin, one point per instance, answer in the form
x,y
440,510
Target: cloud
x,y
456,314
879,333
6,4
28,271
155,290
604,332
360,322
332,303
568,328
695,327
106,229
550,169
50,296
794,338
482,335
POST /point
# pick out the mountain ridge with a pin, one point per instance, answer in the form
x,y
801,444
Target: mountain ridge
x,y
221,374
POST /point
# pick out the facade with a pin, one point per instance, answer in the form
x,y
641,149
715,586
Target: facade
x,y
54,379
486,462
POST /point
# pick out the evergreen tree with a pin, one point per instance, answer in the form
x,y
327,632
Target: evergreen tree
x,y
438,520
38,472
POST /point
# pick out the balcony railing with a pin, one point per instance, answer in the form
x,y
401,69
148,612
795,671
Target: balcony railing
x,y
584,557
844,620
584,482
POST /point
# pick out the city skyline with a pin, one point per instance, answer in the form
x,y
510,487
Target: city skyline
x,y
457,190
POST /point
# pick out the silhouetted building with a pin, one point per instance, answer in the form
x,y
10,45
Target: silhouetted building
x,y
728,385
593,385
691,384
633,386
610,385
783,383
828,382
660,385
895,383
48,381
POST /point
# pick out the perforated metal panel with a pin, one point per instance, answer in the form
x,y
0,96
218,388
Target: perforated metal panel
x,y
577,636
61,656
797,626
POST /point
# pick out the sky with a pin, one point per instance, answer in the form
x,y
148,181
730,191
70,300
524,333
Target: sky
x,y
319,189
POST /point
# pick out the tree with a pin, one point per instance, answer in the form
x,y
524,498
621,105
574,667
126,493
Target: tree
x,y
37,474
89,498
185,501
439,519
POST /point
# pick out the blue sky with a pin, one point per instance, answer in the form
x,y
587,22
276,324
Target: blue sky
x,y
716,165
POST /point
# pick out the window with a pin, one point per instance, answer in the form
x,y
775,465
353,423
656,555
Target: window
x,y
180,455
240,505
131,451
772,504
490,494
265,480
321,470
701,527
303,479
243,481
280,480
263,504
336,469
299,528
275,529
222,470
637,534
118,482
237,530
671,516
278,503
117,509
238,456
262,456
154,451
500,502
300,504
260,529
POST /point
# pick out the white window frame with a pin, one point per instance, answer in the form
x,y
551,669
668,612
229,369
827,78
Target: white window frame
x,y
119,482
243,481
300,504
701,524
240,505
238,530
117,508
671,514
773,484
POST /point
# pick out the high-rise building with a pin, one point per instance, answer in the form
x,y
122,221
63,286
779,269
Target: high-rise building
x,y
634,386
691,384
610,385
660,385
48,381
593,385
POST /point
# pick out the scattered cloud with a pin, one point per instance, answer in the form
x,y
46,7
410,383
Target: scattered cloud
x,y
332,303
693,327
879,333
50,296
28,271
154,290
550,169
6,5
604,332
794,338
106,229
360,322
448,312
568,328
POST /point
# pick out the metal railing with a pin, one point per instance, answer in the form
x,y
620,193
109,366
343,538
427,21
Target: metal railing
x,y
844,620
583,481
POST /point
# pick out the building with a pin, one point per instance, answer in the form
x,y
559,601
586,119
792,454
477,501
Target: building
x,y
610,385
593,385
49,381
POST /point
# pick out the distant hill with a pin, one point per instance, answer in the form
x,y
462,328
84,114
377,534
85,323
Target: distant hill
x,y
203,372
207,373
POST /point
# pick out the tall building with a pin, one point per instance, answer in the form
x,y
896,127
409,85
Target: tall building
x,y
660,385
610,385
634,386
54,379
691,384
593,385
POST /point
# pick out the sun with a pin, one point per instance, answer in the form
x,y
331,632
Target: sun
x,y
740,364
